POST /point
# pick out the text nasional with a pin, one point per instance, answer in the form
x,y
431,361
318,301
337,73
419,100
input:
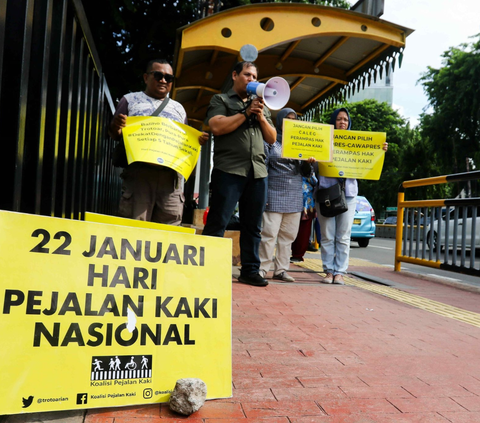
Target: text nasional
x,y
100,333
115,275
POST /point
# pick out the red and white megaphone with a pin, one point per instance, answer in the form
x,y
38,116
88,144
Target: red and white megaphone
x,y
275,92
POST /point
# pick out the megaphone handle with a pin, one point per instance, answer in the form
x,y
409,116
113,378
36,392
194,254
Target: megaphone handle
x,y
252,116
248,102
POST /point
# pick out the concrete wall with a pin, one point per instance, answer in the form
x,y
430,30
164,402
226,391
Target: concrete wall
x,y
389,231
385,231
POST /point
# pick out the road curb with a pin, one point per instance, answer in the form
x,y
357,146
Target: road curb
x,y
459,285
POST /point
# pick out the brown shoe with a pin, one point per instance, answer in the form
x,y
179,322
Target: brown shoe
x,y
328,278
338,279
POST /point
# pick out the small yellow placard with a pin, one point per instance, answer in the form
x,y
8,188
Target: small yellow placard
x,y
115,220
302,140
96,315
162,141
356,154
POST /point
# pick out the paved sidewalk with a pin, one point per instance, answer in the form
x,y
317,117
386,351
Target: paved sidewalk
x,y
363,352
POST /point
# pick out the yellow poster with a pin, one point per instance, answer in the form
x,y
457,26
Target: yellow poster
x,y
356,154
302,140
162,141
97,315
115,220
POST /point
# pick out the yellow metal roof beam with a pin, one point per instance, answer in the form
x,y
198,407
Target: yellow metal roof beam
x,y
198,87
179,64
295,66
289,50
200,92
214,57
367,59
204,74
193,107
320,94
297,83
330,51
196,76
201,88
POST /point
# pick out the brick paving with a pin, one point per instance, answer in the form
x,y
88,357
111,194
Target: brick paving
x,y
307,352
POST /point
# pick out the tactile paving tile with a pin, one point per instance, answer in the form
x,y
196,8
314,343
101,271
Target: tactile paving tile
x,y
426,304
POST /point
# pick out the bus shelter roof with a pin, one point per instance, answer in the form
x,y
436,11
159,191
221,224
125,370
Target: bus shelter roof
x,y
324,53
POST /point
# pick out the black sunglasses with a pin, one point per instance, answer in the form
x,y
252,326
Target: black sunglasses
x,y
158,76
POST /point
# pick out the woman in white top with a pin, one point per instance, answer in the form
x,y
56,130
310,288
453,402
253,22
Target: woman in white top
x,y
336,231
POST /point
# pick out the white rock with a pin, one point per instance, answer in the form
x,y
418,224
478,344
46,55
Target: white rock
x,y
188,396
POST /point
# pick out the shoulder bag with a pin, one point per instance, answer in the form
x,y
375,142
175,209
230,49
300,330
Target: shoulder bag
x,y
332,200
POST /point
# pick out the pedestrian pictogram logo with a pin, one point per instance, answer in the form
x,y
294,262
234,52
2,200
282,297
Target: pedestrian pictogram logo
x,y
121,367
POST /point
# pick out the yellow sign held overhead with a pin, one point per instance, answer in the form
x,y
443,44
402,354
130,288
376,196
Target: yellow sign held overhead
x,y
356,154
162,141
98,315
302,140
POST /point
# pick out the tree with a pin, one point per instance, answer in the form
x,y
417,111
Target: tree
x,y
343,4
129,33
453,91
418,160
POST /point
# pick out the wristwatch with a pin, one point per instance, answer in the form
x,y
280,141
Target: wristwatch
x,y
244,113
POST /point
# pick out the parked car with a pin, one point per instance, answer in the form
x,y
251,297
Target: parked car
x,y
451,229
363,222
390,220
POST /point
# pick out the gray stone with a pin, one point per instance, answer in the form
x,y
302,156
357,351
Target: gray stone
x,y
188,396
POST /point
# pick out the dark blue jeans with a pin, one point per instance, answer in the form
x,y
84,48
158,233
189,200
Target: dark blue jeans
x,y
251,194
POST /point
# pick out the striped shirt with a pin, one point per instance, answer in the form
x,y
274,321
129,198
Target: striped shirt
x,y
285,193
140,104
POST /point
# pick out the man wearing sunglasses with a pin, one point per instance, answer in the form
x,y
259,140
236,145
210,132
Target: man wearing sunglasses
x,y
239,173
151,192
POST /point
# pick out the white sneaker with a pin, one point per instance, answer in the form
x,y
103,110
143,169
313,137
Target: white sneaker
x,y
284,276
328,278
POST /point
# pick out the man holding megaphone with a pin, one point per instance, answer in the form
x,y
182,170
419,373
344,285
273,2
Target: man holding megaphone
x,y
240,125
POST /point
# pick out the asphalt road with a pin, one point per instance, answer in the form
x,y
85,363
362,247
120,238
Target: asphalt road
x,y
382,251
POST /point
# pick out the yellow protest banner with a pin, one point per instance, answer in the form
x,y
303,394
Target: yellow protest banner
x,y
162,141
302,140
356,154
97,315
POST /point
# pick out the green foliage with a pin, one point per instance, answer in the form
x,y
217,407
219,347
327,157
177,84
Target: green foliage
x,y
411,154
129,33
343,4
452,126
418,159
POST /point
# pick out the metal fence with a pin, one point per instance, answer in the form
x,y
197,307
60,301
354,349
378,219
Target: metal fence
x,y
54,109
441,233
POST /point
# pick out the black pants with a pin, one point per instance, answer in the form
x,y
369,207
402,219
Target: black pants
x,y
251,194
